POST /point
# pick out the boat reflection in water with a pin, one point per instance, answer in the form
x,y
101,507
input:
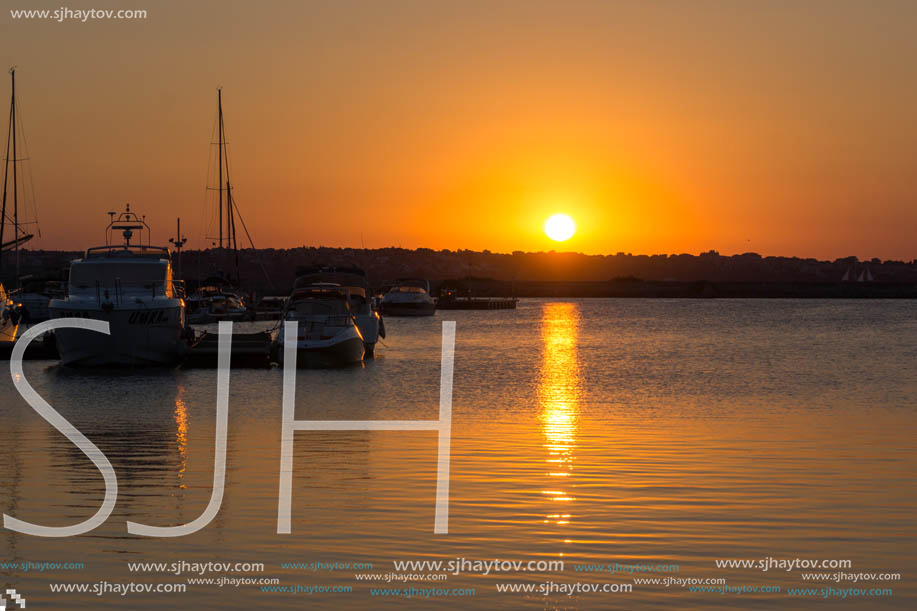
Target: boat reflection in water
x,y
558,400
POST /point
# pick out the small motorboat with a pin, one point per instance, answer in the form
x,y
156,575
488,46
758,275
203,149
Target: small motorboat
x,y
327,331
10,315
409,297
353,281
216,301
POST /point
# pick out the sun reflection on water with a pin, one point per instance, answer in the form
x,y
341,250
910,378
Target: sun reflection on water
x,y
181,434
558,397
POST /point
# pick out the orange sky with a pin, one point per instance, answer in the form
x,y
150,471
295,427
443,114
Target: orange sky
x,y
781,128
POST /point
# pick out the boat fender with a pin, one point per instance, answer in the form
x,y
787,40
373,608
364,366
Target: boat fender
x,y
381,327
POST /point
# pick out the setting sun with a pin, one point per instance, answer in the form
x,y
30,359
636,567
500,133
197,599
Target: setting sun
x,y
560,227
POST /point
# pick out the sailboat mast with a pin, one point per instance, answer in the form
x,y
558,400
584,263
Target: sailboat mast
x,y
6,170
15,184
230,216
232,232
230,219
220,164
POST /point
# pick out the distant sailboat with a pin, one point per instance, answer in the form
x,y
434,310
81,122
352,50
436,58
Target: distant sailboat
x,y
11,184
217,298
11,310
851,275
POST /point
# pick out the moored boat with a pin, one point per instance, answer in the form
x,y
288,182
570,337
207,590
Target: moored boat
x,y
409,297
9,320
353,281
216,301
130,287
14,310
327,332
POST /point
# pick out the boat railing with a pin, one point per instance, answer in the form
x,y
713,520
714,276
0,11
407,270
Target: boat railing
x,y
128,250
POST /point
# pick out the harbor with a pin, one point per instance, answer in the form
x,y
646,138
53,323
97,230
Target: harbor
x,y
487,306
150,319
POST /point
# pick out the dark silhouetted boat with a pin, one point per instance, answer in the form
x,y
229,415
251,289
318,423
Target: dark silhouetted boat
x,y
409,297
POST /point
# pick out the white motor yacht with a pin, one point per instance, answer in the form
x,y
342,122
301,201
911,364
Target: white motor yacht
x,y
353,281
130,287
409,297
328,334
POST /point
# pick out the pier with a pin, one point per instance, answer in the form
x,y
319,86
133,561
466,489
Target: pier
x,y
249,350
477,303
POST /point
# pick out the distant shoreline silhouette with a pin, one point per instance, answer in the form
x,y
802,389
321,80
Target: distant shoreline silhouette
x,y
547,274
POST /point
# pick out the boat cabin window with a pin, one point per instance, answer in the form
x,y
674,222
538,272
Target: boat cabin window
x,y
109,275
326,305
408,289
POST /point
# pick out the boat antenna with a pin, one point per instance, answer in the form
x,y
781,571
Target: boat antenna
x,y
179,242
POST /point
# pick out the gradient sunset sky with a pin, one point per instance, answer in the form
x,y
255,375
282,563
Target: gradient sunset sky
x,y
784,128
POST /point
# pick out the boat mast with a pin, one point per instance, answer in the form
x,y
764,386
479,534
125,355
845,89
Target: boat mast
x,y
226,217
230,216
11,137
220,171
15,160
6,169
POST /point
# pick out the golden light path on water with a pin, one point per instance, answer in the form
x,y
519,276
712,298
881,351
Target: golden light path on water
x,y
558,397
631,431
181,433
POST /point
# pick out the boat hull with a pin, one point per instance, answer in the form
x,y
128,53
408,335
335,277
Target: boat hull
x,y
206,318
137,337
327,355
9,332
370,325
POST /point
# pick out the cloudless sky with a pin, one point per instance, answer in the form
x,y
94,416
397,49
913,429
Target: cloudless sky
x,y
785,128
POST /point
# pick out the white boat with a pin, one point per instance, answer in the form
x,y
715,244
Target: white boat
x,y
9,320
130,287
328,334
215,301
35,297
409,297
353,281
